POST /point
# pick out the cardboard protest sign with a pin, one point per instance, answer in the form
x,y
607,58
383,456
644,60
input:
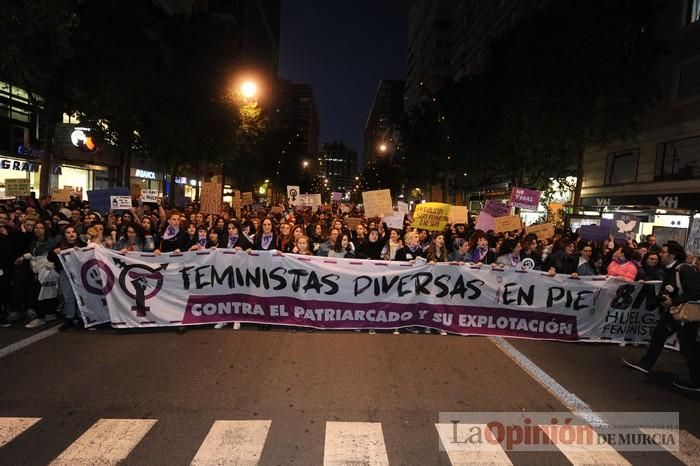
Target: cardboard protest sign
x,y
509,223
596,232
210,198
293,194
247,198
542,230
17,187
525,198
377,203
458,214
394,220
135,191
336,196
275,209
326,207
100,198
352,222
485,222
624,225
402,207
149,195
61,195
497,209
431,216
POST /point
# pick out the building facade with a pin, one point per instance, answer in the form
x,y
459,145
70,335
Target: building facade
x,y
337,165
657,171
382,134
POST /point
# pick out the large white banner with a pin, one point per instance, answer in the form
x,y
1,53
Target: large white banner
x,y
205,287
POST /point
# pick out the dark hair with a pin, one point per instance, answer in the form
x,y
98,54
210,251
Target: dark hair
x,y
338,246
627,251
647,255
476,236
508,246
675,249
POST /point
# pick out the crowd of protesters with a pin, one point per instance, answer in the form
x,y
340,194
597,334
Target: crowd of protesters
x,y
35,289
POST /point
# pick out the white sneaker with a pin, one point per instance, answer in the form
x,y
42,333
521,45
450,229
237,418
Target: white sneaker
x,y
427,331
443,333
372,331
236,325
396,331
50,317
35,323
622,344
220,325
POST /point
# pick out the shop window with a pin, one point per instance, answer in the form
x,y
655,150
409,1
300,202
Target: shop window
x,y
622,167
76,178
678,160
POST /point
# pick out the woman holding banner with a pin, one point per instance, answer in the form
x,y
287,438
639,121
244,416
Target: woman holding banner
x,y
265,239
481,254
234,239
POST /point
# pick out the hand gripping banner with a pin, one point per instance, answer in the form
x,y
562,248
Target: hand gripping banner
x,y
221,285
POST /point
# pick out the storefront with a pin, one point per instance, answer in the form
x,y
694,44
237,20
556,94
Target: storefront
x,y
12,168
146,179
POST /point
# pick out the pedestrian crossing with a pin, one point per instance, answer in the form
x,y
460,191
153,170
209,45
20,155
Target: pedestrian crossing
x,y
243,442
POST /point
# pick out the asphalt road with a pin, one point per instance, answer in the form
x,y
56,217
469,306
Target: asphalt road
x,y
299,389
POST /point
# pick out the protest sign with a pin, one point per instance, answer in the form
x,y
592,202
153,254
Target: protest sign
x,y
497,209
210,198
135,191
542,230
596,232
402,207
431,216
525,198
394,220
100,198
693,243
17,187
352,222
377,203
310,200
293,194
485,222
141,290
336,196
624,226
61,195
508,223
247,198
149,195
326,207
120,202
275,209
458,214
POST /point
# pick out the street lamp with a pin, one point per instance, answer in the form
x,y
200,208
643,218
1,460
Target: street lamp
x,y
383,147
249,90
306,164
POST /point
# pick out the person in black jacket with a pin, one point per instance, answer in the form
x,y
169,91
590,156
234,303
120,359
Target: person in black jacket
x,y
479,247
170,239
265,239
562,260
672,256
188,241
234,239
411,250
372,248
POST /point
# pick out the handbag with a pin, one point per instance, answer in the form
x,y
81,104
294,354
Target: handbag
x,y
685,312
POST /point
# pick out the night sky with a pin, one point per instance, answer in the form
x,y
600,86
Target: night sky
x,y
343,49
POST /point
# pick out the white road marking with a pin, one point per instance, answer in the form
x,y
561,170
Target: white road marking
x,y
231,443
467,452
689,446
575,404
591,455
11,427
107,442
28,341
360,443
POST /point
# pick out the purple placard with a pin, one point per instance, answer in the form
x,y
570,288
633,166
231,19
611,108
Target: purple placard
x,y
497,209
525,198
485,222
596,232
460,319
335,196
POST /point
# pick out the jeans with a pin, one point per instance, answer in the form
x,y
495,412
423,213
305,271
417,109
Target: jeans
x,y
70,304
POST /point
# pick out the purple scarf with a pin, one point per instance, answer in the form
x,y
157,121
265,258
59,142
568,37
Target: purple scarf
x,y
170,232
232,240
266,240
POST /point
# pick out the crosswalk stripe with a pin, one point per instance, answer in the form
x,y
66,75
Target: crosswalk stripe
x,y
688,450
107,442
231,443
354,443
11,427
467,452
595,454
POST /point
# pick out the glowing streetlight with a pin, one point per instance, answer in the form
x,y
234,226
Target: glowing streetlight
x,y
249,90
383,147
305,164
